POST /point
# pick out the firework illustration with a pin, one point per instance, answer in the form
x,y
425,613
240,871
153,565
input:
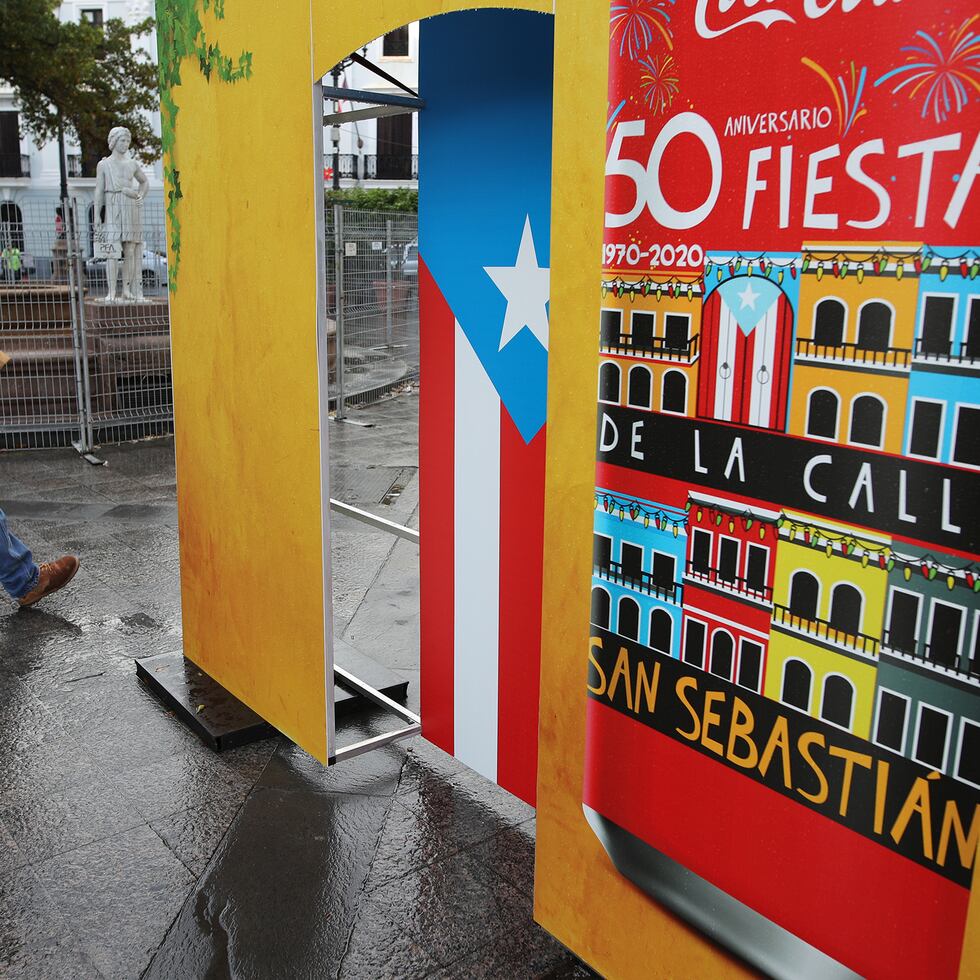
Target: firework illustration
x,y
638,22
659,81
941,72
847,92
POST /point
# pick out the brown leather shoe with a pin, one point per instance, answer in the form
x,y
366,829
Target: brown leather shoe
x,y
53,575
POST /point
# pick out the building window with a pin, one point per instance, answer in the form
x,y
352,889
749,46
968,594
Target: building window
x,y
728,559
968,762
628,620
972,346
797,679
610,327
93,16
601,550
937,325
395,43
926,433
750,665
701,551
641,335
639,388
838,701
661,630
966,440
893,712
828,322
903,621
631,562
845,608
609,383
874,326
674,396
867,421
677,329
722,654
822,409
394,147
932,737
11,225
945,633
804,594
600,608
664,569
757,567
694,637
10,164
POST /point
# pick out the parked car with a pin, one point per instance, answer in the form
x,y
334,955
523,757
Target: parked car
x,y
410,259
154,270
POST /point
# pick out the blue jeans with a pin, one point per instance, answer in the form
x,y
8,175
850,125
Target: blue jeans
x,y
18,573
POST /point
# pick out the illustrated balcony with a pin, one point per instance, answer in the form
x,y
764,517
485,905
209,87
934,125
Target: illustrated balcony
x,y
895,358
15,165
653,347
945,660
758,591
933,351
822,629
639,582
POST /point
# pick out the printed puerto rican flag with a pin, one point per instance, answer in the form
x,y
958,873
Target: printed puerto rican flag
x,y
746,347
484,219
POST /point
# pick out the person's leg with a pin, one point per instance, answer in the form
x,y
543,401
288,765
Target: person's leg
x,y
18,572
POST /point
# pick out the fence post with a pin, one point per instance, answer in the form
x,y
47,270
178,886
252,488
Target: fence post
x,y
338,240
83,389
388,283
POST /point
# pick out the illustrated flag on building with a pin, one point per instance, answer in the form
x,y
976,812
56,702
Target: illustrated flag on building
x,y
484,288
747,332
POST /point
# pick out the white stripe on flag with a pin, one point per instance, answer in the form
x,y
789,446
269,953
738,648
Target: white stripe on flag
x,y
476,562
760,402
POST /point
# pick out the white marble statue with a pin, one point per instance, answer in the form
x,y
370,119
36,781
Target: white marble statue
x,y
120,186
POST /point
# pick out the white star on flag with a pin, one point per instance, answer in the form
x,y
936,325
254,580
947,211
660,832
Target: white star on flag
x,y
527,288
748,297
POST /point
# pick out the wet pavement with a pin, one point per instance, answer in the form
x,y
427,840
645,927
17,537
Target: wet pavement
x,y
128,849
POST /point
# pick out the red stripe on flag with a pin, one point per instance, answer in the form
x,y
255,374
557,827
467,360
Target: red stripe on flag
x,y
743,374
437,414
521,560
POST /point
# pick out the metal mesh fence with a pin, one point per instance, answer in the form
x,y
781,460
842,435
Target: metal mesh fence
x,y
372,267
82,370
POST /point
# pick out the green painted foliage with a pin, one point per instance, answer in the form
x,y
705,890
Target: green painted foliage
x,y
180,36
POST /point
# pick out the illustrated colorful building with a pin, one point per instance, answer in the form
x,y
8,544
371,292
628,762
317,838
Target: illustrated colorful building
x,y
728,581
927,702
638,558
747,340
853,348
943,416
649,339
827,614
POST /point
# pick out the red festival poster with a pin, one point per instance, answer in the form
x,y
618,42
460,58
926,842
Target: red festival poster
x,y
784,670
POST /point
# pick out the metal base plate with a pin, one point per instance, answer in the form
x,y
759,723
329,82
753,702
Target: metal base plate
x,y
221,721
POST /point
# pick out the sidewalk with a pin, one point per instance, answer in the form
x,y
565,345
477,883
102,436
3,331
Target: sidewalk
x,y
128,849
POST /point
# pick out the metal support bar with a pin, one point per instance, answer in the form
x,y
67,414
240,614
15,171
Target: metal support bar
x,y
388,283
359,59
375,112
338,244
380,523
382,701
338,94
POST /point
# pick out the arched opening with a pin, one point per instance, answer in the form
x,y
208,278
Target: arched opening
x,y
609,378
674,398
823,407
11,226
804,595
640,387
867,421
722,654
600,608
838,700
828,322
874,326
628,618
797,681
661,630
846,603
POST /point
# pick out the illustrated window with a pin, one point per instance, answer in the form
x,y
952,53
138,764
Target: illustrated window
x,y
750,665
932,737
968,760
937,326
966,436
694,637
893,712
925,438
